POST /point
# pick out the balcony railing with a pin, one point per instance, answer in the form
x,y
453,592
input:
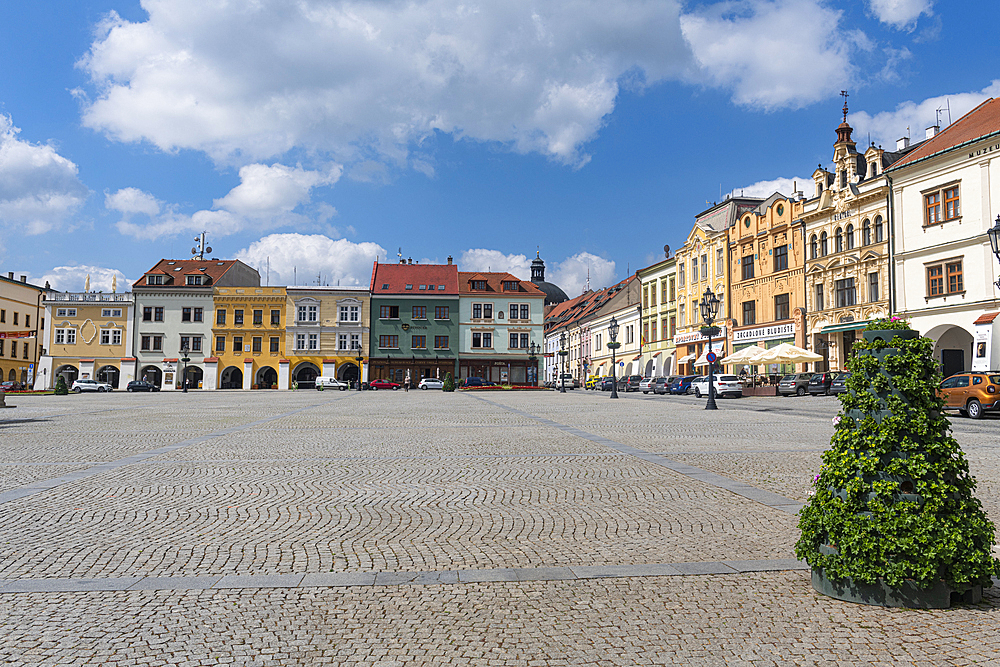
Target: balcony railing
x,y
88,296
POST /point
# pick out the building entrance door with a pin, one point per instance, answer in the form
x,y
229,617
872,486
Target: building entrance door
x,y
952,361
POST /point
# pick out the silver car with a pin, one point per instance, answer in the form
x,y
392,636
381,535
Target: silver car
x,y
90,385
431,383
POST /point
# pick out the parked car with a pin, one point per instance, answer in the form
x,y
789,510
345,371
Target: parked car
x,y
11,385
839,384
592,382
629,383
431,383
607,383
141,385
681,384
477,382
661,385
646,385
972,394
567,379
725,386
794,383
820,383
375,385
331,383
90,385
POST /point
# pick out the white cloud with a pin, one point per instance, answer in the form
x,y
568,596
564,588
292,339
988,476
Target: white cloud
x,y
251,82
785,186
266,197
74,279
481,259
772,53
301,259
888,126
571,273
901,14
39,188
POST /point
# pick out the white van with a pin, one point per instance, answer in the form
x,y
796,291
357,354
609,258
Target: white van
x,y
331,383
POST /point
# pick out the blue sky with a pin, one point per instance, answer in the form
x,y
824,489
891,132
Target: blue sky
x,y
313,136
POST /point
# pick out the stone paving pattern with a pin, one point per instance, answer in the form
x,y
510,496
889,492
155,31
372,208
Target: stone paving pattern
x,y
405,487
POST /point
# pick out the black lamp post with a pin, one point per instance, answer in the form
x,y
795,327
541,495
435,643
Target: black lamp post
x,y
709,306
562,353
359,359
533,350
994,234
614,344
185,358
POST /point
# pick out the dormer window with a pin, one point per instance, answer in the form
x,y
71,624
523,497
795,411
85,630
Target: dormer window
x,y
409,287
195,280
154,280
385,286
509,286
441,288
479,284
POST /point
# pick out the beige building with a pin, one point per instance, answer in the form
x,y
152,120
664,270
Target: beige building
x,y
20,324
658,285
327,328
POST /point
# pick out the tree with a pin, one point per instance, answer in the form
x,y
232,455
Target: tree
x,y
449,383
61,388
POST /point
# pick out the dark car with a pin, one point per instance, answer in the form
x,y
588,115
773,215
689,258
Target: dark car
x,y
141,385
839,385
662,386
629,383
375,385
820,383
607,383
794,383
11,385
681,384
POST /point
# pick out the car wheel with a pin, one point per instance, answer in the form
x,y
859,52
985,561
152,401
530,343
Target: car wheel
x,y
373,388
645,392
395,388
697,393
130,390
800,392
343,389
77,390
975,409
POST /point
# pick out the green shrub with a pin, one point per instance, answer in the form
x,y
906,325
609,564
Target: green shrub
x,y
61,388
449,383
894,498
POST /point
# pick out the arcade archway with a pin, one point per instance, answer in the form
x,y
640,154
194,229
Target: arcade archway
x,y
267,377
348,373
231,378
305,375
152,375
69,373
109,374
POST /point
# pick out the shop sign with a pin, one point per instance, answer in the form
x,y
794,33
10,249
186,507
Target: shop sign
x,y
765,333
694,336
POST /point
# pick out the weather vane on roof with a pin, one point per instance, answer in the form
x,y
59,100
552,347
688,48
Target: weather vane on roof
x,y
844,94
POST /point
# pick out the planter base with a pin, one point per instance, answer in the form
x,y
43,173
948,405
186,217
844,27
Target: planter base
x,y
908,595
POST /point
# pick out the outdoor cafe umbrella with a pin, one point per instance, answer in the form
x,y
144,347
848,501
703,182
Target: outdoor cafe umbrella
x,y
788,354
745,356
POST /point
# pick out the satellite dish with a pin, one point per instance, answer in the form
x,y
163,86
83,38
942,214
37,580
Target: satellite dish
x,y
208,249
666,251
194,251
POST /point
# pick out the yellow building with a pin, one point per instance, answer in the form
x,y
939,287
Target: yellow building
x,y
327,329
248,337
20,323
659,317
87,336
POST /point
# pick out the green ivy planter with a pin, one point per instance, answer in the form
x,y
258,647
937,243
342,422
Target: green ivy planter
x,y
893,520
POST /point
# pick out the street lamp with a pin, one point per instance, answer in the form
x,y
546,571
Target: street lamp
x,y
709,306
185,358
994,234
359,359
562,353
533,351
614,345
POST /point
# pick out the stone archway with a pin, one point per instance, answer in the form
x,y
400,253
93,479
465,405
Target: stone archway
x,y
195,376
267,377
305,375
952,348
348,373
152,374
109,374
69,373
231,378
649,369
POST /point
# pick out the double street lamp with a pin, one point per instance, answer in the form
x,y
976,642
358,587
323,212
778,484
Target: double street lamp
x,y
563,352
185,358
533,351
614,345
359,359
709,306
994,234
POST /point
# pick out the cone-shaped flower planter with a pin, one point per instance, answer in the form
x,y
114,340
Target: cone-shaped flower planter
x,y
893,520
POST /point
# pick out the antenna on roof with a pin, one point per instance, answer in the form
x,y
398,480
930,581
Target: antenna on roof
x,y
198,252
399,254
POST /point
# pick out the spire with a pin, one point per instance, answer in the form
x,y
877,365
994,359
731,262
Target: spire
x,y
844,130
537,269
845,95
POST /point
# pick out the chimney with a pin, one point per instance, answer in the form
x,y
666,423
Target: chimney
x,y
903,143
409,260
24,279
10,274
932,131
449,259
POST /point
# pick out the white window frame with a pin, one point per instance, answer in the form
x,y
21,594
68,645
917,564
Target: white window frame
x,y
313,341
66,312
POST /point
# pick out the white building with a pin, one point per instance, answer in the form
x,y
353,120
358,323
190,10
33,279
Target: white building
x,y
945,196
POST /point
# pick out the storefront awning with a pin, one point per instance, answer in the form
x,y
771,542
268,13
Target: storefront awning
x,y
685,359
844,326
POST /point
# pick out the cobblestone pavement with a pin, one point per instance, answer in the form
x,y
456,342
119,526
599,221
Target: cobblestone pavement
x,y
490,499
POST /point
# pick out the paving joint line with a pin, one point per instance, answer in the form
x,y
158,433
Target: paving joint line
x,y
39,486
744,489
344,579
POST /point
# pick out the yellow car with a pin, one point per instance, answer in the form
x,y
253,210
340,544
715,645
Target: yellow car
x,y
593,382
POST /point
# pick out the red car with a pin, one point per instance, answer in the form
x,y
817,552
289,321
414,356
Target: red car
x,y
383,384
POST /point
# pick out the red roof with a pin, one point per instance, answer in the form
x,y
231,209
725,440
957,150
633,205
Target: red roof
x,y
494,283
981,122
986,318
213,268
437,279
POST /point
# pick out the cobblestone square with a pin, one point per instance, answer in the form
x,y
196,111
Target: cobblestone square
x,y
398,528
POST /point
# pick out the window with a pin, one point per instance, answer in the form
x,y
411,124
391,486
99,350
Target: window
x,y
819,298
194,280
116,336
838,240
198,315
781,311
823,247
749,312
813,247
313,341
238,317
342,341
945,278
780,257
105,336
65,336
718,261
951,203
479,284
111,312
300,341
356,342
681,313
849,237
158,314
388,312
185,343
525,311
704,267
645,331
630,333
514,340
418,342
388,341
524,341
13,349
673,326
15,318
157,343
680,274
846,294
673,290
878,229
274,344
873,287
154,280
488,311
645,297
147,314
220,343
185,314
275,318
258,317
694,269
420,312
441,313
27,319
350,313
484,339
60,312
932,208
257,340
440,342
196,343
510,286
237,343
1,346
220,316
866,232
477,311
